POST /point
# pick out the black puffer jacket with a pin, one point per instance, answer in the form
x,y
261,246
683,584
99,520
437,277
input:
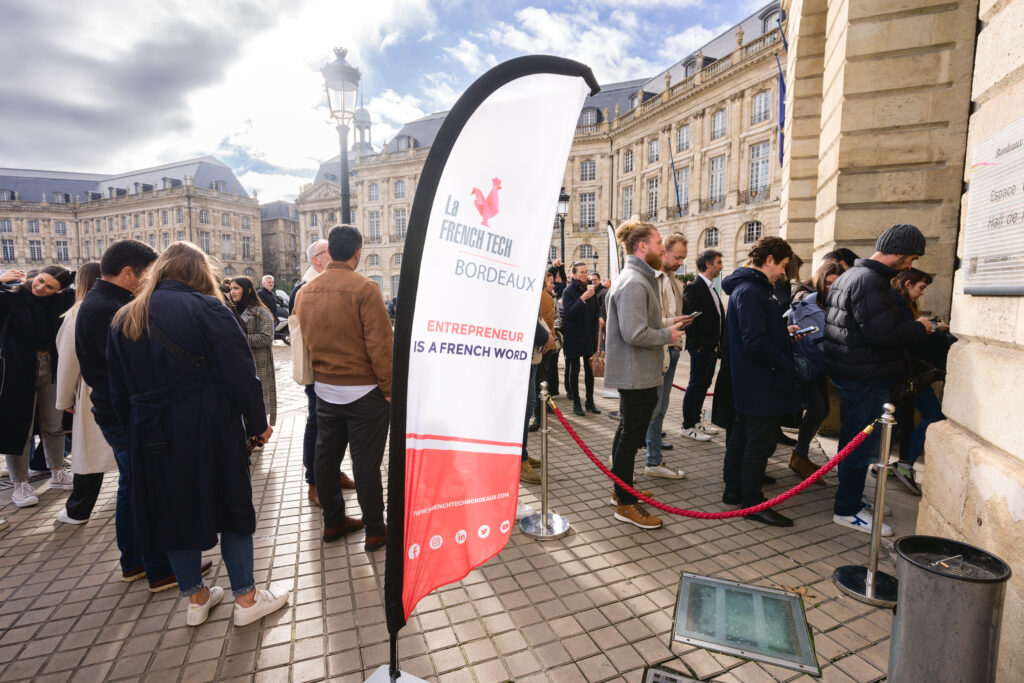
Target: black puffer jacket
x,y
865,336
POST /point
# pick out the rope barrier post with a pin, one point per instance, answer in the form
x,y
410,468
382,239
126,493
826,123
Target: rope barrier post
x,y
546,526
867,584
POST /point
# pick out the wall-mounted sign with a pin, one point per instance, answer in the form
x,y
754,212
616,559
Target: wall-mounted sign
x,y
994,239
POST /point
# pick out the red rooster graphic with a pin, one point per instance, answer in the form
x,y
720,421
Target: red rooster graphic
x,y
487,206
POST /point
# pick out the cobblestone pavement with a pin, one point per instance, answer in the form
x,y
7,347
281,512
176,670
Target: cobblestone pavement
x,y
596,605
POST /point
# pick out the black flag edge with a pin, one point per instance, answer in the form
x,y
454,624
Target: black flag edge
x,y
419,217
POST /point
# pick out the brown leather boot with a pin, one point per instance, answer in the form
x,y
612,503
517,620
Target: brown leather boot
x,y
346,482
803,466
313,497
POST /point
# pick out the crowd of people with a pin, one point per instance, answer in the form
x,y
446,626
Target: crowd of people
x,y
781,346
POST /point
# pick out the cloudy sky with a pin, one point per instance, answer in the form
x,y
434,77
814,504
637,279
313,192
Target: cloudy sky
x,y
111,85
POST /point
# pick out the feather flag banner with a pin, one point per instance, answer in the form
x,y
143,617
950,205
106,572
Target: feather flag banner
x,y
472,277
613,253
782,109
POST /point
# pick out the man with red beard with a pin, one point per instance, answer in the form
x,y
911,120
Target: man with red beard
x,y
635,351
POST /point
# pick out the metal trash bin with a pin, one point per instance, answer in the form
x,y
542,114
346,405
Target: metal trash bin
x,y
946,625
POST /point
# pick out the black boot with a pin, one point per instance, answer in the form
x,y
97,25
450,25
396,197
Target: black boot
x,y
534,425
576,407
592,408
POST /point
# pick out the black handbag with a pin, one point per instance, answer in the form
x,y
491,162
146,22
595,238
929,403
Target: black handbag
x,y
3,353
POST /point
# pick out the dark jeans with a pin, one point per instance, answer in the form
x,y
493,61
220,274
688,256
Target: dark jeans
x,y
552,376
361,426
309,436
859,404
531,403
635,409
749,444
814,396
83,496
702,371
572,386
156,564
654,429
927,403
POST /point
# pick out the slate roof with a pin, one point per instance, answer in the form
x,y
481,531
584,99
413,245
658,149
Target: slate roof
x,y
279,209
31,184
612,94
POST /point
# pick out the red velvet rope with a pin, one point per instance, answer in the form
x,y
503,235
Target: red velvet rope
x,y
710,393
857,440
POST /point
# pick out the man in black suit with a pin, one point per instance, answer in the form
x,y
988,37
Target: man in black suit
x,y
703,338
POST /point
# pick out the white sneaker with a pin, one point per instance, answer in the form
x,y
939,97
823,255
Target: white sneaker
x,y
663,471
63,480
197,614
62,516
692,433
23,495
869,505
268,601
523,510
708,428
861,522
3,524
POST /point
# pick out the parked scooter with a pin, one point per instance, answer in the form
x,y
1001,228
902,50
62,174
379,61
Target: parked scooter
x,y
281,318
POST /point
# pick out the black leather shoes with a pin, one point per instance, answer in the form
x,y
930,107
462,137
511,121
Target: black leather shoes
x,y
771,518
592,408
577,409
768,480
534,425
665,446
731,498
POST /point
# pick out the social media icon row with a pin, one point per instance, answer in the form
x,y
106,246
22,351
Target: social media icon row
x,y
436,541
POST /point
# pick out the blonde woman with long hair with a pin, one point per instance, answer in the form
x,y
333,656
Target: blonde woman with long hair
x,y
184,385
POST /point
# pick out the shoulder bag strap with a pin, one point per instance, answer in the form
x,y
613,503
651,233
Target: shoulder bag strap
x,y
170,345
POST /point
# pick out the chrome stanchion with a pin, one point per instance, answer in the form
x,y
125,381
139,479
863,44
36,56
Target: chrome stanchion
x,y
867,584
545,526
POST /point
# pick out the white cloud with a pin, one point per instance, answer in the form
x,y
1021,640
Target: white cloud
x,y
441,91
391,39
390,111
681,44
471,57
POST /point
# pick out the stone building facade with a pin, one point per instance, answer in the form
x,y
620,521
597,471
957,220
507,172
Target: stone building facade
x,y
283,255
693,149
886,104
70,218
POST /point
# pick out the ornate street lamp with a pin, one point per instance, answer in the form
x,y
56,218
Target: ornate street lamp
x,y
563,211
341,81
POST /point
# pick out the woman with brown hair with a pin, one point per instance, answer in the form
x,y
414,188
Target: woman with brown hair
x,y
29,319
91,455
182,379
258,322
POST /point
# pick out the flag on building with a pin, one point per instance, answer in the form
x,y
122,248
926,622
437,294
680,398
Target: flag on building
x,y
782,108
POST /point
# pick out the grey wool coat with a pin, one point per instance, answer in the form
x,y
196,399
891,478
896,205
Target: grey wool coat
x,y
636,340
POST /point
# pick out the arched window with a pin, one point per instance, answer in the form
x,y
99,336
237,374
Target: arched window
x,y
711,238
633,102
589,117
249,272
762,109
403,143
228,271
586,251
373,260
770,22
753,232
691,67
398,259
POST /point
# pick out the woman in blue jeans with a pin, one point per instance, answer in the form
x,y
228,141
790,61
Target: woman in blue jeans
x,y
184,386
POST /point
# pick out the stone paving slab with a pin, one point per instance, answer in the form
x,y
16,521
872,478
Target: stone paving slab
x,y
596,605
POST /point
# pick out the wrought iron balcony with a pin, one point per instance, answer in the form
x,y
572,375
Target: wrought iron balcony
x,y
754,195
714,203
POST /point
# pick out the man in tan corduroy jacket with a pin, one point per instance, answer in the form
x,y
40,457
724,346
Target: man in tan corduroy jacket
x,y
348,333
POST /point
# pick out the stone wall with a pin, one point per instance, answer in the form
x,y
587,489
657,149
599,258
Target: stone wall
x,y
974,489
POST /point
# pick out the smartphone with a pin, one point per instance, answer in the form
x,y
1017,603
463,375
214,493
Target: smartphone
x,y
806,330
695,315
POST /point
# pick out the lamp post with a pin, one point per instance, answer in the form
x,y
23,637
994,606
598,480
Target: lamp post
x,y
341,81
563,210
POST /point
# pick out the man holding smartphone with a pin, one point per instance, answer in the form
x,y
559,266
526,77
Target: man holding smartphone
x,y
703,340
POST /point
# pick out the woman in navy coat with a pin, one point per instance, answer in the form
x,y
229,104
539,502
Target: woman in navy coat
x,y
184,386
579,334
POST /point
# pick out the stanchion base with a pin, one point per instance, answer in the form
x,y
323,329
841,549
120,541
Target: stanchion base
x,y
381,675
852,580
533,526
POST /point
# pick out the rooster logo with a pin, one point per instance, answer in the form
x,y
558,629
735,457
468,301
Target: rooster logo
x,y
487,206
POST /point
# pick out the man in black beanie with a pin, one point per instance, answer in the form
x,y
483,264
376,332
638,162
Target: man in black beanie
x,y
865,344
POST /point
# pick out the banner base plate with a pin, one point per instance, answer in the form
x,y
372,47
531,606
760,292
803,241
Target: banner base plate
x,y
533,526
381,676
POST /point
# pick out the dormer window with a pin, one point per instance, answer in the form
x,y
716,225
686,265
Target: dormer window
x,y
219,185
633,101
6,195
691,67
61,198
770,22
403,143
589,117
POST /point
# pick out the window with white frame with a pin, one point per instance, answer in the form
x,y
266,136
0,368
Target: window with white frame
x,y
33,226
225,246
8,249
683,186
403,143
718,179
62,250
691,68
752,232
5,225
88,250
99,247
85,227
653,151
652,196
373,229
6,195
246,248
124,222
330,218
762,107
149,219
204,241
60,227
313,220
167,239
552,253
136,220
398,259
718,124
683,138
627,201
245,223
401,223
627,161
399,189
373,192
711,238
180,216
760,168
163,217
225,220
35,250
588,209
589,117
152,240
586,251
373,260
588,170
181,235
204,217
395,279
771,22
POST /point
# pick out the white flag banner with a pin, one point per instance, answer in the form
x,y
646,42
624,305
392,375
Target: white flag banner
x,y
613,253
